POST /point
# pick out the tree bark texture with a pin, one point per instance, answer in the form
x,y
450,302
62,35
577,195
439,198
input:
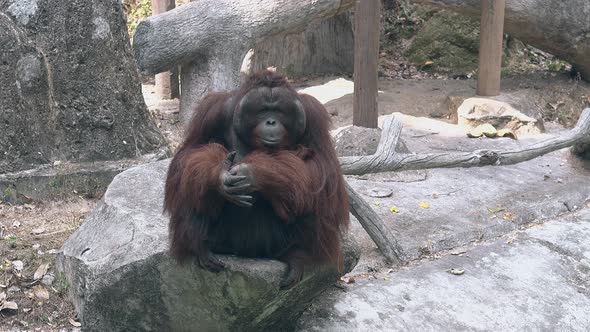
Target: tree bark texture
x,y
199,30
324,47
167,84
69,88
366,58
210,38
490,47
386,160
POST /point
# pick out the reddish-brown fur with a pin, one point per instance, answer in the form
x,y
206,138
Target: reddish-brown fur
x,y
301,208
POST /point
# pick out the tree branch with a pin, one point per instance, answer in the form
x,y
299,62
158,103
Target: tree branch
x,y
374,226
385,160
198,28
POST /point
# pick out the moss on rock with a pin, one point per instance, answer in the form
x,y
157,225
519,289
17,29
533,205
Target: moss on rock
x,y
449,40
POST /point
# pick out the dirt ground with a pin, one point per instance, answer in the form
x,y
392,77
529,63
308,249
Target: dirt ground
x,y
549,96
33,234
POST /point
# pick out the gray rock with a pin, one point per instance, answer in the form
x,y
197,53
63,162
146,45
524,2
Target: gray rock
x,y
357,141
48,279
70,90
558,27
360,141
475,112
537,280
13,289
123,279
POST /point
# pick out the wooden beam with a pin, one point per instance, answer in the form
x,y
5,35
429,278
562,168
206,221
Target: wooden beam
x,y
490,47
167,83
366,56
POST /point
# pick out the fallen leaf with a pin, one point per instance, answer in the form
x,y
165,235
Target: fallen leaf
x,y
474,133
379,193
41,271
485,129
348,280
507,133
394,209
74,323
496,209
457,252
508,216
377,203
17,266
41,293
38,231
386,278
488,130
13,289
428,63
8,305
424,205
556,105
456,271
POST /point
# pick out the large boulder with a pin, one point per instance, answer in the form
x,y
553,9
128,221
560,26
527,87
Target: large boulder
x,y
122,278
360,141
449,41
558,27
69,86
474,112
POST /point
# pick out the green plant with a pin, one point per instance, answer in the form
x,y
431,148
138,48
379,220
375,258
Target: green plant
x,y
290,70
12,241
136,11
61,283
556,65
9,194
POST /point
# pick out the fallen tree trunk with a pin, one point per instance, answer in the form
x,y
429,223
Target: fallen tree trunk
x,y
375,227
202,28
561,28
386,159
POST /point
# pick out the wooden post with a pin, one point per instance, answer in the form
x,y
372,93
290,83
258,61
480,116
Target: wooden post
x,y
366,56
490,47
166,82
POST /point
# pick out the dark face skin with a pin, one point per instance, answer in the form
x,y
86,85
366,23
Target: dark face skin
x,y
269,118
270,131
